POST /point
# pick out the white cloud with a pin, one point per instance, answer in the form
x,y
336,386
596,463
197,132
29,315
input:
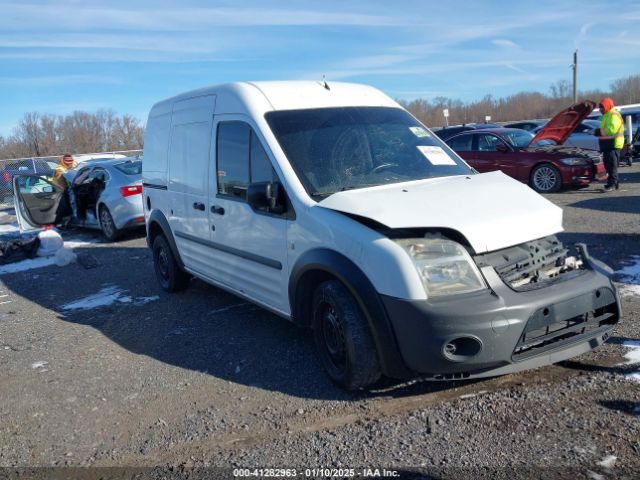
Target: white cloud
x,y
58,80
504,43
184,18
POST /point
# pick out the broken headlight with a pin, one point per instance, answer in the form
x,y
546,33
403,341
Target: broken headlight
x,y
444,266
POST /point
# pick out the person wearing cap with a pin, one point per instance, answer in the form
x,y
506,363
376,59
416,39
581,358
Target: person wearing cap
x,y
611,141
65,164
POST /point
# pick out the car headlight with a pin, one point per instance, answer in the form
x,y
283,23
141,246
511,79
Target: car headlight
x,y
444,266
575,162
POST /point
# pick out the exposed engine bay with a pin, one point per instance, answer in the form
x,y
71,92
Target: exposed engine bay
x,y
534,264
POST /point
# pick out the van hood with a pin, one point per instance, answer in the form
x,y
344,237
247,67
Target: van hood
x,y
493,211
564,123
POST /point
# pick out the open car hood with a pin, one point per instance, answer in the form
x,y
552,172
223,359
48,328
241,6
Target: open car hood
x,y
491,210
564,123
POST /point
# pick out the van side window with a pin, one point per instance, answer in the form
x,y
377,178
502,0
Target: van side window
x,y
261,169
233,158
241,159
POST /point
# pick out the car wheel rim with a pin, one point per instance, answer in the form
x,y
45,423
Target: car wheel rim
x,y
333,337
544,179
107,225
163,263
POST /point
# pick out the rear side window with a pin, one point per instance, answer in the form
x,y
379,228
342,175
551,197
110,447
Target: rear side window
x,y
461,143
241,160
487,143
130,168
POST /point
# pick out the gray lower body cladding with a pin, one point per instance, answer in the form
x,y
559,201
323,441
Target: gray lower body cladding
x,y
501,330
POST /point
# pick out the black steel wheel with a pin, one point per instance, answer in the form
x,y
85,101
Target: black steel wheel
x,y
343,337
170,277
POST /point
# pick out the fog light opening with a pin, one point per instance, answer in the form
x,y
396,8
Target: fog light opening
x,y
461,349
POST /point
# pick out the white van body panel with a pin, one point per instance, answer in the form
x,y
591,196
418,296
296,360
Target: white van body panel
x,y
385,263
482,207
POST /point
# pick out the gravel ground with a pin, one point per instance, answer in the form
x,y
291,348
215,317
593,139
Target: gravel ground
x,y
183,385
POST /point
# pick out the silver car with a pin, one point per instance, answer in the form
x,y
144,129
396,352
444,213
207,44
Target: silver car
x,y
103,194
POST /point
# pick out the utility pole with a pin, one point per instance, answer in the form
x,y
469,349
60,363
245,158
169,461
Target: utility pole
x,y
575,76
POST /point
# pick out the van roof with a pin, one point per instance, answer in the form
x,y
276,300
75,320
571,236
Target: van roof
x,y
261,97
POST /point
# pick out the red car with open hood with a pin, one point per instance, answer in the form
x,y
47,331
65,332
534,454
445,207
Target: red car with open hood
x,y
540,161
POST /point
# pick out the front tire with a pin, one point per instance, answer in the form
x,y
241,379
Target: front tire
x,y
343,337
545,178
108,226
170,277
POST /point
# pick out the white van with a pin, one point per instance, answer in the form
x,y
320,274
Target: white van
x,y
332,206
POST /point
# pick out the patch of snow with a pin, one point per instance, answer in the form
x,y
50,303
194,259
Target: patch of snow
x,y
28,264
9,228
79,243
138,301
595,476
633,355
630,290
608,462
630,277
63,257
105,297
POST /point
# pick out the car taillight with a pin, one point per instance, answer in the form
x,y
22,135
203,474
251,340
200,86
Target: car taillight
x,y
5,176
131,190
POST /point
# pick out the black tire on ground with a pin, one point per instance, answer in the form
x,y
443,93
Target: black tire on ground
x,y
545,178
108,226
343,337
170,277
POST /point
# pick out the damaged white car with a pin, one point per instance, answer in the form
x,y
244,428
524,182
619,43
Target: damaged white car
x,y
332,206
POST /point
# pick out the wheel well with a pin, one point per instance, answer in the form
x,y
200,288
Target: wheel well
x,y
154,230
305,287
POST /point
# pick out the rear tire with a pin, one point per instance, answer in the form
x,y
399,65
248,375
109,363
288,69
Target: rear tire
x,y
108,226
170,277
545,178
343,337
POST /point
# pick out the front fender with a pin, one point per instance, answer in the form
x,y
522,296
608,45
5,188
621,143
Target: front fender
x,y
317,265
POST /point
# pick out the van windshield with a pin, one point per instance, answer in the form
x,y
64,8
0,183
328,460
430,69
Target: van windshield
x,y
337,149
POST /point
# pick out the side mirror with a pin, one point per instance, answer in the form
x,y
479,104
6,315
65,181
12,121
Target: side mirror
x,y
501,147
266,196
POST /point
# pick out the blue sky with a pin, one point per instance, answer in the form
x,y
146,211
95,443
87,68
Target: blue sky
x,y
65,55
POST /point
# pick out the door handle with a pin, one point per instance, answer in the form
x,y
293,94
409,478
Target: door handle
x,y
198,206
216,209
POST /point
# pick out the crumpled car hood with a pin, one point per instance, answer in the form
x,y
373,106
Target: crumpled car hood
x,y
491,210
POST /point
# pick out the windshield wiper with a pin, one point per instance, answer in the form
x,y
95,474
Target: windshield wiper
x,y
344,189
355,187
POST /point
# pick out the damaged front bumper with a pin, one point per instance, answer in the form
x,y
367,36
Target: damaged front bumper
x,y
502,330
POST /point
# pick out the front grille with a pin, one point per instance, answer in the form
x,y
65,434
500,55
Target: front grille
x,y
533,265
552,326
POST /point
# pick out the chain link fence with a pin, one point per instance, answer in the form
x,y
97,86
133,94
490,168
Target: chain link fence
x,y
44,166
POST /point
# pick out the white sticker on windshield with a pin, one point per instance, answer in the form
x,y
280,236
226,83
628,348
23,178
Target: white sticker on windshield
x,y
436,155
419,132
